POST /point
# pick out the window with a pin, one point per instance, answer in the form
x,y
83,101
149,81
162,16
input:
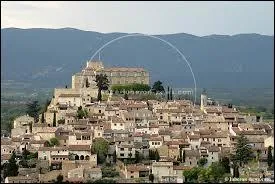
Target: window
x,y
212,158
153,143
190,163
122,154
213,139
121,149
115,124
132,176
121,124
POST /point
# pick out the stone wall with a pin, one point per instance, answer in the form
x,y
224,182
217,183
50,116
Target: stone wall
x,y
72,164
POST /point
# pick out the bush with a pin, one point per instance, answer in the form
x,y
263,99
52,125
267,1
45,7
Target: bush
x,y
131,87
61,121
109,172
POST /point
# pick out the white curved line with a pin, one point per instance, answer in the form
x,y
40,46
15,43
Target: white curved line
x,y
155,37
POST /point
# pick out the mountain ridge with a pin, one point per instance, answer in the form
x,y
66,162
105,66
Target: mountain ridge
x,y
48,57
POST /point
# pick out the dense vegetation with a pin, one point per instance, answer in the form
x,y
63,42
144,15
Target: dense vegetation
x,y
100,147
130,87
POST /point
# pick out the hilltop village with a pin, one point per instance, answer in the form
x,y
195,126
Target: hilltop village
x,y
81,139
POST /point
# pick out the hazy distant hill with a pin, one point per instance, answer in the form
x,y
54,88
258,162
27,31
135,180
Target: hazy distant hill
x,y
48,57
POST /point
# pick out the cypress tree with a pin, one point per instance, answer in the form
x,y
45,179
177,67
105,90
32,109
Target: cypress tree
x,y
157,157
171,94
269,156
168,97
183,156
54,119
12,167
42,118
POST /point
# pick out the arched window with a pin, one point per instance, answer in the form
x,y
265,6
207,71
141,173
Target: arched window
x,y
81,157
87,157
76,157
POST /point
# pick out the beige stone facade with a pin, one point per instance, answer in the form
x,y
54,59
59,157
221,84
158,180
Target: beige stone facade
x,y
116,75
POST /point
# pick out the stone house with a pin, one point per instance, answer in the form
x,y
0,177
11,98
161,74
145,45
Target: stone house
x,y
117,123
81,152
155,142
21,179
192,157
23,121
162,169
84,174
125,151
136,171
194,141
213,155
80,138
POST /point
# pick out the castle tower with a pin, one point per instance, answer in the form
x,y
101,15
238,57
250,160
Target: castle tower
x,y
95,65
203,99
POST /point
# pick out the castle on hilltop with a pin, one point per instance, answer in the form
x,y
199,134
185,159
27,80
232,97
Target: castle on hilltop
x,y
84,87
116,75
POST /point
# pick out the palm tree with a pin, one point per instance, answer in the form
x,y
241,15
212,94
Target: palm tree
x,y
102,83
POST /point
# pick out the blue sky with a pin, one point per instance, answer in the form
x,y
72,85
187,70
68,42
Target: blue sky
x,y
197,18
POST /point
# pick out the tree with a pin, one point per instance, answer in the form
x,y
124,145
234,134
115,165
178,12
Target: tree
x,y
269,156
114,157
171,94
130,155
236,173
192,175
61,121
44,108
168,97
138,157
157,87
151,177
157,157
81,113
183,156
243,151
102,83
225,162
100,146
87,83
54,141
216,172
126,96
54,119
11,167
25,153
202,162
33,109
59,178
42,118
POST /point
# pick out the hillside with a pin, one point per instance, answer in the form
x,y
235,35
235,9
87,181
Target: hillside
x,y
48,57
